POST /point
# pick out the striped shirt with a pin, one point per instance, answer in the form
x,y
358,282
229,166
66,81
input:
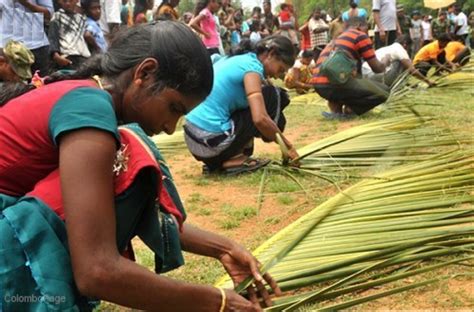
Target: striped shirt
x,y
355,42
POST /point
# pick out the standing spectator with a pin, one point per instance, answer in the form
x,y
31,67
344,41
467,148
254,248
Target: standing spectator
x,y
67,37
205,24
25,21
15,62
288,23
415,32
319,32
461,29
187,17
426,29
403,20
167,10
140,11
255,35
354,11
110,16
386,22
440,25
305,36
336,27
92,10
236,34
270,21
452,17
471,25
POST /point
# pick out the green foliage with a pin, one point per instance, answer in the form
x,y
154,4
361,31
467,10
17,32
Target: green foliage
x,y
186,6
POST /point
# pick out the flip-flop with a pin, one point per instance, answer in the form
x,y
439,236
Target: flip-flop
x,y
249,165
337,116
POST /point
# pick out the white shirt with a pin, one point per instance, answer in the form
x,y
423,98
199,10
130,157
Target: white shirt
x,y
426,26
18,23
461,20
395,52
388,13
110,14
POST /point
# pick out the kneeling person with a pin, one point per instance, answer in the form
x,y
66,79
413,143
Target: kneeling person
x,y
433,54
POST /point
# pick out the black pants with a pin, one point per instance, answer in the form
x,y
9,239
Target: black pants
x,y
245,130
360,95
390,37
42,61
425,66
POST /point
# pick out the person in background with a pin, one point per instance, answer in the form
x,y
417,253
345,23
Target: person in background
x,y
270,21
187,17
140,11
433,55
299,76
471,25
336,27
110,17
326,17
399,60
354,11
457,52
236,34
426,29
403,20
15,63
305,36
167,10
255,29
220,132
461,29
92,11
204,24
19,17
68,36
287,23
357,95
318,30
440,25
415,32
386,22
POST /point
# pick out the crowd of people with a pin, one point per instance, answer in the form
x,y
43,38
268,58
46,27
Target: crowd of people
x,y
83,86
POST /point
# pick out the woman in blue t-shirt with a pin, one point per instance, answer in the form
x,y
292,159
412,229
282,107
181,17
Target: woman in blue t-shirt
x,y
220,131
354,11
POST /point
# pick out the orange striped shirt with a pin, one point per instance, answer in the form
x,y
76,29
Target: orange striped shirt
x,y
355,42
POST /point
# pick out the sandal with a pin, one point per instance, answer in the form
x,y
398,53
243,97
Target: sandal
x,y
249,165
337,116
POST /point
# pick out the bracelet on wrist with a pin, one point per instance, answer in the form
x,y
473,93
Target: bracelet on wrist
x,y
224,299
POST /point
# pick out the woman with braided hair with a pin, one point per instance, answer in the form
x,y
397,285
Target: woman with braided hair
x,y
64,159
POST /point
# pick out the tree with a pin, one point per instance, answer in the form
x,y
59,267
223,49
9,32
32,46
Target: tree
x,y
186,6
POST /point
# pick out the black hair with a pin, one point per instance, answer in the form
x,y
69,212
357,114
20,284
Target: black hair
x,y
256,10
200,5
404,40
317,9
85,4
353,4
283,6
184,63
443,13
141,6
307,54
445,37
281,46
255,26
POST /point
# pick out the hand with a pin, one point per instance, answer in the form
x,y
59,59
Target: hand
x,y
207,35
399,32
236,302
62,61
431,84
382,34
294,155
240,264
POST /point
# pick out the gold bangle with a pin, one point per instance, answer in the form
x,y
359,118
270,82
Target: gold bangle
x,y
224,299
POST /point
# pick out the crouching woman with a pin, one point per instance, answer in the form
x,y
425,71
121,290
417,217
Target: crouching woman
x,y
221,130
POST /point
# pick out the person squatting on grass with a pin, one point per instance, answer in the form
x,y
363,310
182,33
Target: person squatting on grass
x,y
66,138
220,132
355,95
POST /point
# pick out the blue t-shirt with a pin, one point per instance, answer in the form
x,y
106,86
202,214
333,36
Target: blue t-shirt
x,y
96,32
228,93
362,13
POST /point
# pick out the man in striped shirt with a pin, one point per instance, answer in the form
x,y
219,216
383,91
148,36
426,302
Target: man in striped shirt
x,y
357,95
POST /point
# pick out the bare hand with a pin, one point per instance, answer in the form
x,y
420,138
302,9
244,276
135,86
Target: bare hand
x,y
294,155
241,264
382,34
62,61
207,35
236,302
431,84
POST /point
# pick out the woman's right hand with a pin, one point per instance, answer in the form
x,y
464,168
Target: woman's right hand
x,y
207,35
236,302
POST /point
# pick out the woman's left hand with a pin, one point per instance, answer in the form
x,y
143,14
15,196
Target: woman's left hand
x,y
241,264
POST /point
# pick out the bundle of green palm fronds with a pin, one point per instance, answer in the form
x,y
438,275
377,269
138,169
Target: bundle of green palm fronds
x,y
374,233
386,141
170,143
